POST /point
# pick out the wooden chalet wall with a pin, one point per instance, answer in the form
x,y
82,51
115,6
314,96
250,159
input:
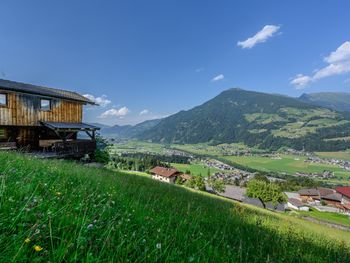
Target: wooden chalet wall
x,y
24,110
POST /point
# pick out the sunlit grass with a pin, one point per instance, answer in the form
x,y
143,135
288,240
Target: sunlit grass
x,y
57,211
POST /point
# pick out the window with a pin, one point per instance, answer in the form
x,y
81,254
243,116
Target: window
x,y
3,99
45,104
2,133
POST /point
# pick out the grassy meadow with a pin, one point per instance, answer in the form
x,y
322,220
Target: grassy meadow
x,y
289,164
195,168
59,211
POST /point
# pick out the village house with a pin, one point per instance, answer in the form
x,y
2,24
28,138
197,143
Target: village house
x,y
164,174
296,204
309,195
344,191
35,118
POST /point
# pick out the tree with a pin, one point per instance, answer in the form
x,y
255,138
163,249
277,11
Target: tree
x,y
196,182
218,185
265,192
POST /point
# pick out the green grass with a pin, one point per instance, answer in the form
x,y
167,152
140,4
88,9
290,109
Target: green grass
x,y
345,155
84,214
195,169
327,216
288,163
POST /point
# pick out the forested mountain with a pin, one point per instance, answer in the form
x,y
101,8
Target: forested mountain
x,y
339,101
257,119
127,131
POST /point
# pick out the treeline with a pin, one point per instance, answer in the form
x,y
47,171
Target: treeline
x,y
143,164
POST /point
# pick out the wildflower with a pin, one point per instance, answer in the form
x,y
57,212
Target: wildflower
x,y
37,248
27,240
89,227
58,193
159,245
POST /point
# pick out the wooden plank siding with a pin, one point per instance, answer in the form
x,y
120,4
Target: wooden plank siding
x,y
24,110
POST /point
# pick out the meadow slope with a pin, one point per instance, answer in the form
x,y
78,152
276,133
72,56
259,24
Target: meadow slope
x,y
74,213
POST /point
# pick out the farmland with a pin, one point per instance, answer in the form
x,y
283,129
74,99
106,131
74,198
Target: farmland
x,y
61,211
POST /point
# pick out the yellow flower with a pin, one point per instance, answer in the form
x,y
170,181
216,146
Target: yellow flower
x,y
58,193
38,248
27,240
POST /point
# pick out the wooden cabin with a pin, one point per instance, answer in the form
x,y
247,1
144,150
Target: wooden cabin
x,y
35,118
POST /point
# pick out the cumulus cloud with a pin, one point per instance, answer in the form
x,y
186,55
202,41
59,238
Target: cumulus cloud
x,y
144,112
264,34
218,77
300,81
338,63
102,101
115,113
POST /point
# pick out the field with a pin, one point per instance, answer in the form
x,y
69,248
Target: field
x,y
59,211
288,163
327,216
345,155
195,169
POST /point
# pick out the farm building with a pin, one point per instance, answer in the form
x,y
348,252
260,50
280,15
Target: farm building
x,y
344,191
296,204
164,174
35,118
309,195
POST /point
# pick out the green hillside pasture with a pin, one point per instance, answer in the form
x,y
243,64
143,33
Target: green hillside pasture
x,y
76,213
288,163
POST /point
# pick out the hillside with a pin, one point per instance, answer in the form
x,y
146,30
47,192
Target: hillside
x,y
257,119
339,101
127,131
68,212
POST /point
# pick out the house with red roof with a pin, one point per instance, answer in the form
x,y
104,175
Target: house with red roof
x,y
344,191
164,174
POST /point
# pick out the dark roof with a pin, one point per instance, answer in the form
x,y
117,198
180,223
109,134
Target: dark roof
x,y
234,192
68,126
163,171
325,191
333,197
296,202
253,201
44,91
279,207
344,190
308,192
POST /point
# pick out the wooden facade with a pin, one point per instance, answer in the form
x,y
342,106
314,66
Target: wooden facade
x,y
25,108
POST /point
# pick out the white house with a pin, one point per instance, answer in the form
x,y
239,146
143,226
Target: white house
x,y
164,174
297,205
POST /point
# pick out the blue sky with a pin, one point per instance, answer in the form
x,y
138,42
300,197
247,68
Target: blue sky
x,y
159,57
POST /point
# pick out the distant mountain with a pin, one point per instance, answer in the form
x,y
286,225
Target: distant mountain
x,y
127,131
339,101
256,119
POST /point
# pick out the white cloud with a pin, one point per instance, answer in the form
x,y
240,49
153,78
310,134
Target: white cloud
x,y
341,54
102,101
300,81
338,63
144,112
260,37
115,113
218,77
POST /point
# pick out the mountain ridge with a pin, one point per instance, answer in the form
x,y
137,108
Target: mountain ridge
x,y
256,119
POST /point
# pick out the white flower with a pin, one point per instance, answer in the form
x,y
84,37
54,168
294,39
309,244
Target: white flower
x,y
89,227
159,245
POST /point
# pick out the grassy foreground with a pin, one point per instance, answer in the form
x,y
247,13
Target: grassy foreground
x,y
59,211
